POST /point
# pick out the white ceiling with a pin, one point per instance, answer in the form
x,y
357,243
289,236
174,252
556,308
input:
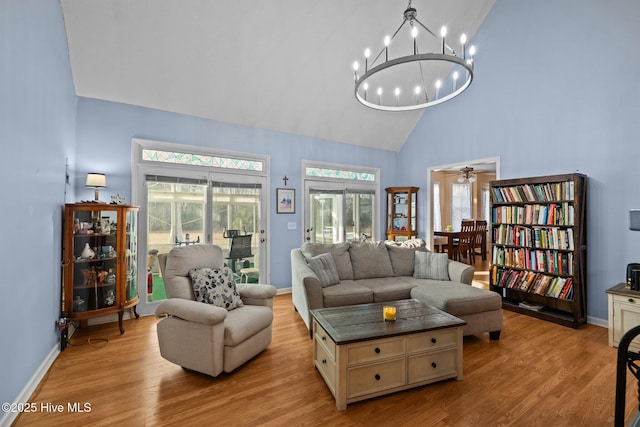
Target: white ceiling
x,y
281,65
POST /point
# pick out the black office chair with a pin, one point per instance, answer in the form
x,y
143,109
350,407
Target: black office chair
x,y
240,249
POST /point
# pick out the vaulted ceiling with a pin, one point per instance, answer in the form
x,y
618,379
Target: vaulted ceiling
x,y
280,65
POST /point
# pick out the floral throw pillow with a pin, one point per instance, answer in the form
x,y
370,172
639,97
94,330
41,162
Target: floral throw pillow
x,y
215,286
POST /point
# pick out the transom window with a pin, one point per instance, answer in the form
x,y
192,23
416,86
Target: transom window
x,y
193,159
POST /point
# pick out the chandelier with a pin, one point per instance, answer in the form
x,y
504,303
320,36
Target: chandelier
x,y
413,80
466,173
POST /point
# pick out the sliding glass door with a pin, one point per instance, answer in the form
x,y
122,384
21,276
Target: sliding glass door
x,y
184,211
237,212
338,214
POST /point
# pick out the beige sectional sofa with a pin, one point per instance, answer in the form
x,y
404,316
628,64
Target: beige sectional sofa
x,y
366,272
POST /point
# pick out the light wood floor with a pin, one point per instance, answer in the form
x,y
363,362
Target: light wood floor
x,y
538,373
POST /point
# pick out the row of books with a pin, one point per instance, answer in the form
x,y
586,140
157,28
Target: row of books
x,y
535,283
548,261
551,214
535,192
534,237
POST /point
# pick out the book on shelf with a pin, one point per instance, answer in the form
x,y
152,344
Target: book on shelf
x,y
530,306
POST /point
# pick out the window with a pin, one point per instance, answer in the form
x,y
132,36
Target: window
x,y
437,208
486,203
460,203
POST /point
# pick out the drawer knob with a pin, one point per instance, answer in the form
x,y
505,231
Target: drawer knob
x,y
324,361
434,365
630,300
377,377
377,350
433,340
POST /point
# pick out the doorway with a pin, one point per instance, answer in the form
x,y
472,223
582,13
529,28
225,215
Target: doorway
x,y
340,202
212,198
452,196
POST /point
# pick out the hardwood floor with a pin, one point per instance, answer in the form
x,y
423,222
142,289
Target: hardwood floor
x,y
538,373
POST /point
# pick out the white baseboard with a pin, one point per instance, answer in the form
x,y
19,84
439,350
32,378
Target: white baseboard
x,y
283,291
598,322
32,384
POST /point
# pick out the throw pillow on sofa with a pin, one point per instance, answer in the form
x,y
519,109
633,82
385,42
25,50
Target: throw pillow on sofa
x,y
325,268
340,253
429,265
215,286
370,260
402,255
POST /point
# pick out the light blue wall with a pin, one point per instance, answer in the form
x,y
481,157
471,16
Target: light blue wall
x,y
105,130
37,134
555,91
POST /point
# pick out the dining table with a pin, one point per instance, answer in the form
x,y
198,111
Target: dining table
x,y
451,235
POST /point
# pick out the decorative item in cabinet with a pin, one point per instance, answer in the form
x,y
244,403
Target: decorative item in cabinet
x,y
402,213
539,246
100,250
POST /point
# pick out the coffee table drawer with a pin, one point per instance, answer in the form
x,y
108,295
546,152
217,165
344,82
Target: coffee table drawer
x,y
321,336
370,379
440,364
375,350
327,366
431,340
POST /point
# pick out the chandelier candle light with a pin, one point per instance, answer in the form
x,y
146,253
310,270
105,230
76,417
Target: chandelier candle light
x,y
417,80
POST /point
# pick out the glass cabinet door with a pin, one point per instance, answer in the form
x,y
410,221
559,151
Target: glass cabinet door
x,y
94,260
413,211
400,221
131,255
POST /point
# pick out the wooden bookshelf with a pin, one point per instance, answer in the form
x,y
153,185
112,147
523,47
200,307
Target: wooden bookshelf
x,y
539,246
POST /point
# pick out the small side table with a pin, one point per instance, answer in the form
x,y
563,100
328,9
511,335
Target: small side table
x,y
624,314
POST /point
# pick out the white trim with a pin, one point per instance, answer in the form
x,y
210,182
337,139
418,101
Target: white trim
x,y
31,385
598,322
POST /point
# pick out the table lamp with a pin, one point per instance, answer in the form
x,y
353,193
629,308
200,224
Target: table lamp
x,y
96,181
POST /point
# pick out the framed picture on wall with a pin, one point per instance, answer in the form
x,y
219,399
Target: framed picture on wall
x,y
286,200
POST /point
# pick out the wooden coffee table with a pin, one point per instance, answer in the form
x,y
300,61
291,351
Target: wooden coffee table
x,y
360,356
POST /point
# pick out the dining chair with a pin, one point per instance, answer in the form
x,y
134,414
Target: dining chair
x,y
440,243
465,246
480,236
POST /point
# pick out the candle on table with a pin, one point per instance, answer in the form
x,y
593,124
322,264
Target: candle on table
x,y
389,313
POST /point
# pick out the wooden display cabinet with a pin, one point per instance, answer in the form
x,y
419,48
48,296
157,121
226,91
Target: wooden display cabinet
x,y
402,213
100,254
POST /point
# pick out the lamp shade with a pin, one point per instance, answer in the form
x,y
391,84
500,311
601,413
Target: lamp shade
x,y
96,180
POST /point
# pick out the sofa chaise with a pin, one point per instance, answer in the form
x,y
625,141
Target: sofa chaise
x,y
331,275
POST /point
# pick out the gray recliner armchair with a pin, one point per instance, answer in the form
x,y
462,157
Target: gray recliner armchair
x,y
203,337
